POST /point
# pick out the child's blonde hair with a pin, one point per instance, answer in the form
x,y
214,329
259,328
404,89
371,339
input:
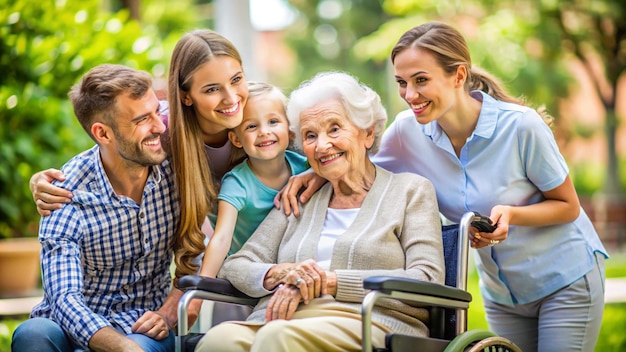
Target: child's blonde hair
x,y
255,89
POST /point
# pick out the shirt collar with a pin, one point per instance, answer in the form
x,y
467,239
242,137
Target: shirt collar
x,y
103,181
154,178
488,118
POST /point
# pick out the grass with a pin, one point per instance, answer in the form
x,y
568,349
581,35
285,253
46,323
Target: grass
x,y
612,333
7,326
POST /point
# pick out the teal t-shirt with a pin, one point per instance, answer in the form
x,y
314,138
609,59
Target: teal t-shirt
x,y
254,200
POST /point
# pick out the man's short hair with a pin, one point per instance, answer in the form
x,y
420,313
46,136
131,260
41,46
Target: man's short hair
x,y
94,97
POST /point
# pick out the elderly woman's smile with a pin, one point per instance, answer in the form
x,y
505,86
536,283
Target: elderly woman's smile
x,y
327,159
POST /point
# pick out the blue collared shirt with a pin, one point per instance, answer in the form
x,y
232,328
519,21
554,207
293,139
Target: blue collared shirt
x,y
106,259
510,158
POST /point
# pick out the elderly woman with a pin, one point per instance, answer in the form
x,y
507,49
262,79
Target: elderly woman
x,y
365,221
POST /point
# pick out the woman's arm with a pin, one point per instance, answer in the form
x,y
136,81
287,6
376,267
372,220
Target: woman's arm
x,y
561,205
218,247
545,168
308,180
48,197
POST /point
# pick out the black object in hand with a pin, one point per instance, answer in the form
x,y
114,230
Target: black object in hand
x,y
482,223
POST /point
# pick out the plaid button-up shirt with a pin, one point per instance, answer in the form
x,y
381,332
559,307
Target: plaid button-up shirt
x,y
105,259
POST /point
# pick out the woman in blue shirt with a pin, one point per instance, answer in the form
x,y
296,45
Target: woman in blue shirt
x,y
486,151
542,269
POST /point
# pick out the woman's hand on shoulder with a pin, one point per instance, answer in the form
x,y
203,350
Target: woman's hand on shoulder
x,y
288,196
48,197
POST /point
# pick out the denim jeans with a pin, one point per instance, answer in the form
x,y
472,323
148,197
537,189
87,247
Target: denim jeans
x,y
43,335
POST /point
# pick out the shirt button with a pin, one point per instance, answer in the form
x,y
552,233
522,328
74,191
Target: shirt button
x,y
146,240
142,215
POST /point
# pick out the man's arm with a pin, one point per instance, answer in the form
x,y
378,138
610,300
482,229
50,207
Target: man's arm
x,y
62,273
169,310
110,340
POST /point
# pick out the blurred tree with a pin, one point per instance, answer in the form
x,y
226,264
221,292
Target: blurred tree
x,y
324,35
593,30
525,43
133,7
44,49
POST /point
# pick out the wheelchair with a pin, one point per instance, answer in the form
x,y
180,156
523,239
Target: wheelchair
x,y
447,304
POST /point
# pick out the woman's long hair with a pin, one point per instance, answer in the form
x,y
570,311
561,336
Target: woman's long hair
x,y
193,175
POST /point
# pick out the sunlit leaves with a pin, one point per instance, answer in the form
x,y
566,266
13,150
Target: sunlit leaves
x,y
44,49
527,43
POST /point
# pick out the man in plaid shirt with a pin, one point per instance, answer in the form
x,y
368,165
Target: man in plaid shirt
x,y
106,255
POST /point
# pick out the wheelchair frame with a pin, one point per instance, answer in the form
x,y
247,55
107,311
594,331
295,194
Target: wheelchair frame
x,y
435,295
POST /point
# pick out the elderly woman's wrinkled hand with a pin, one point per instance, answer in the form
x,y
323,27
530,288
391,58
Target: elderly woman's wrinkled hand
x,y
307,276
311,280
283,303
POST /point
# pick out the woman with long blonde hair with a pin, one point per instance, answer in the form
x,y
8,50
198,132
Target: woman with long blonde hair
x,y
207,91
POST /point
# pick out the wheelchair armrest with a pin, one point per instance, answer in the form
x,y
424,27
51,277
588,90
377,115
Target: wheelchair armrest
x,y
209,284
388,284
206,288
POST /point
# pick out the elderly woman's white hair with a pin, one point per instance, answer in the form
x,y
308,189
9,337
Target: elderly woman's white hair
x,y
362,105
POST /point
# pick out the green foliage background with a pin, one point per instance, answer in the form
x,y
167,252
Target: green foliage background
x,y
526,43
46,46
44,49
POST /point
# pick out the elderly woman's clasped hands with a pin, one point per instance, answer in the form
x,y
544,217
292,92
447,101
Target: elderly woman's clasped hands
x,y
294,283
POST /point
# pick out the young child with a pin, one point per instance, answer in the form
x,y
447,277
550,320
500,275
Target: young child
x,y
248,190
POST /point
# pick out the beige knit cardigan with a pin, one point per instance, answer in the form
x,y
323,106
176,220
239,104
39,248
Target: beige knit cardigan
x,y
397,232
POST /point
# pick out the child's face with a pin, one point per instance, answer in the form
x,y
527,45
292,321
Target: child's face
x,y
264,132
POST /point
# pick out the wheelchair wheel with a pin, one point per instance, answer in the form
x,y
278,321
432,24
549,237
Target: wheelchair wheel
x,y
481,340
494,344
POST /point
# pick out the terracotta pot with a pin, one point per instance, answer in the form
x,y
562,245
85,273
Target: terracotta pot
x,y
19,267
